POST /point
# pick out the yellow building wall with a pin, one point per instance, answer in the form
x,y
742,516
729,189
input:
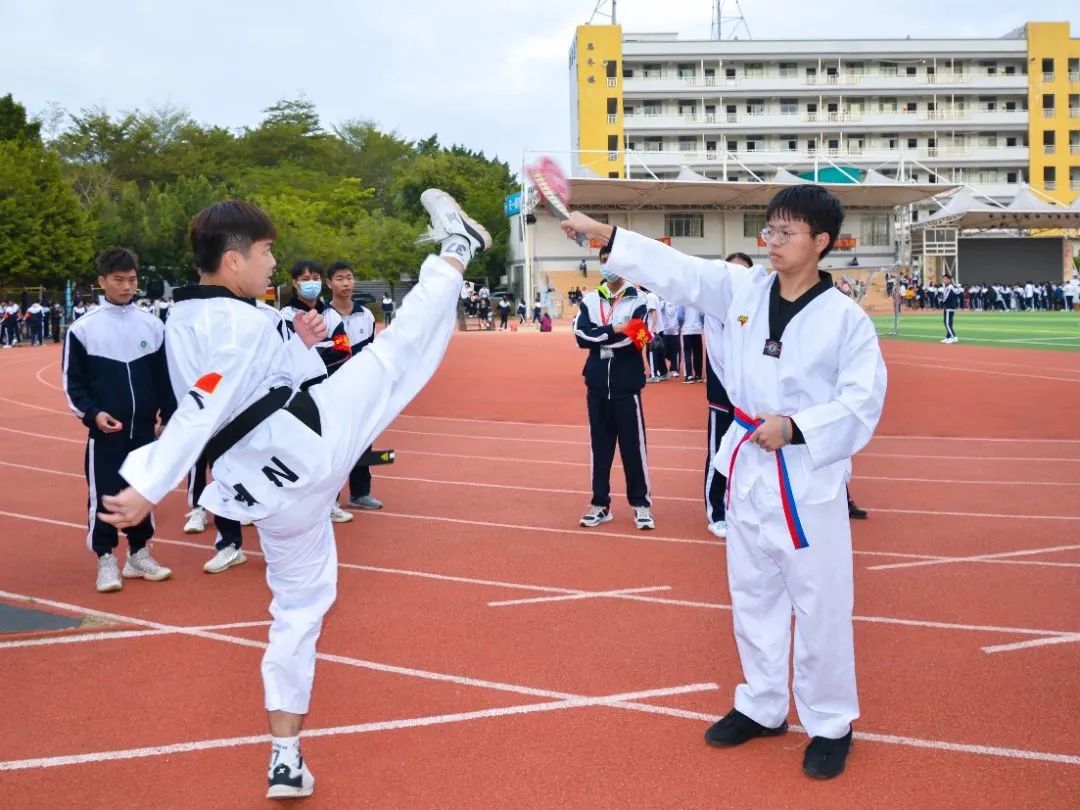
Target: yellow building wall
x,y
594,48
1052,40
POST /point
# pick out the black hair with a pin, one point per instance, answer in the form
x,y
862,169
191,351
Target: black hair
x,y
298,269
337,266
604,252
741,257
225,226
812,204
117,260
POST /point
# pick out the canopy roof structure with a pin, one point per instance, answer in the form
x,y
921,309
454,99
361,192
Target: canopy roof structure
x,y
1024,212
691,190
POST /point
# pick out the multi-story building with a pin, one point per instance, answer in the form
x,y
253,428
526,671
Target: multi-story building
x,y
989,113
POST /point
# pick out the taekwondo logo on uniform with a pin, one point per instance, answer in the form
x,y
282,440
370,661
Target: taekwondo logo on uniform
x,y
206,384
743,319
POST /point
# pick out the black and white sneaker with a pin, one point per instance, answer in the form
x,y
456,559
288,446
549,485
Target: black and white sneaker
x,y
287,781
447,219
595,516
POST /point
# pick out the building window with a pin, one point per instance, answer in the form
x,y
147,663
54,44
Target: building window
x,y
887,104
789,106
910,71
684,225
687,71
1049,178
753,224
875,230
912,143
653,108
613,143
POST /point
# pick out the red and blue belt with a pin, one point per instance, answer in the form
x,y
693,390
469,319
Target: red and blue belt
x,y
791,513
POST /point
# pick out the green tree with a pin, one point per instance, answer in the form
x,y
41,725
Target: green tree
x,y
45,235
14,125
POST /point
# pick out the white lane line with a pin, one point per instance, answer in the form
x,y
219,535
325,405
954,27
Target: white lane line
x,y
617,700
701,430
576,596
107,635
700,470
963,370
1038,642
1001,555
37,407
657,600
46,382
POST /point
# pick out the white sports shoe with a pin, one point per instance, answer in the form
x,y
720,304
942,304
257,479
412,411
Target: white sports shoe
x,y
108,574
596,515
447,219
289,781
225,559
196,522
142,566
339,515
719,528
643,518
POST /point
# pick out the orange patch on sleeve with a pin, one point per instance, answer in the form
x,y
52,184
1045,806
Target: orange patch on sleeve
x,y
208,382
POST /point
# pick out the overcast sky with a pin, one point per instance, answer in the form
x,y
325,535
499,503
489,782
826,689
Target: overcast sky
x,y
489,74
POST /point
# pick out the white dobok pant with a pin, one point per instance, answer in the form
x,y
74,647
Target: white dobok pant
x,y
769,578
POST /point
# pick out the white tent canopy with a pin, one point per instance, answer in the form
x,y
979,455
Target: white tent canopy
x,y
1025,211
620,194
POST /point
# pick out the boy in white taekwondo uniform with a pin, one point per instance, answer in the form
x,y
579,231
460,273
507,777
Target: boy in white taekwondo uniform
x,y
278,457
350,328
802,365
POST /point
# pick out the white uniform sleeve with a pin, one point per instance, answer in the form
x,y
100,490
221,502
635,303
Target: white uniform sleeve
x,y
217,394
676,277
840,428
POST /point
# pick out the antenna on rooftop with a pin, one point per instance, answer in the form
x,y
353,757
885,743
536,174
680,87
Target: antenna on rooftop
x,y
728,20
604,9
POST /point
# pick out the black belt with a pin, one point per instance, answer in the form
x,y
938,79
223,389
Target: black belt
x,y
302,407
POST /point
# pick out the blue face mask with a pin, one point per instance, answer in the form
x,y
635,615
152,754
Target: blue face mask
x,y
606,274
309,290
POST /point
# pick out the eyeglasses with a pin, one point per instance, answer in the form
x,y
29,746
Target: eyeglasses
x,y
773,237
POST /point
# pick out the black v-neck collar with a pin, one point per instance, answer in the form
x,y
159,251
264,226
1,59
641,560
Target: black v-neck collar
x,y
782,312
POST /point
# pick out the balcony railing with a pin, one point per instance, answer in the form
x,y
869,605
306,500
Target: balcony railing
x,y
1048,77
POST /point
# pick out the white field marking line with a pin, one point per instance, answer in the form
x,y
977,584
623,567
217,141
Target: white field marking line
x,y
975,558
42,436
46,382
1037,459
618,700
36,407
572,597
552,491
518,586
971,361
1025,645
936,745
964,370
701,431
988,515
358,663
575,442
699,471
48,471
79,638
981,439
432,720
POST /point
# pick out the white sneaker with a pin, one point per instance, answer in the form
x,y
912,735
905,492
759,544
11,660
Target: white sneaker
x,y
289,781
447,219
142,566
108,574
643,518
596,515
654,379
224,559
364,502
196,523
339,515
719,528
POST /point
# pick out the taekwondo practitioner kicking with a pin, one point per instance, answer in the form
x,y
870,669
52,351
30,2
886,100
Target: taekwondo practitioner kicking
x,y
279,455
804,372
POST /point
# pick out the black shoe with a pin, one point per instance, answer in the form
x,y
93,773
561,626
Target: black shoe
x,y
854,512
825,758
735,728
